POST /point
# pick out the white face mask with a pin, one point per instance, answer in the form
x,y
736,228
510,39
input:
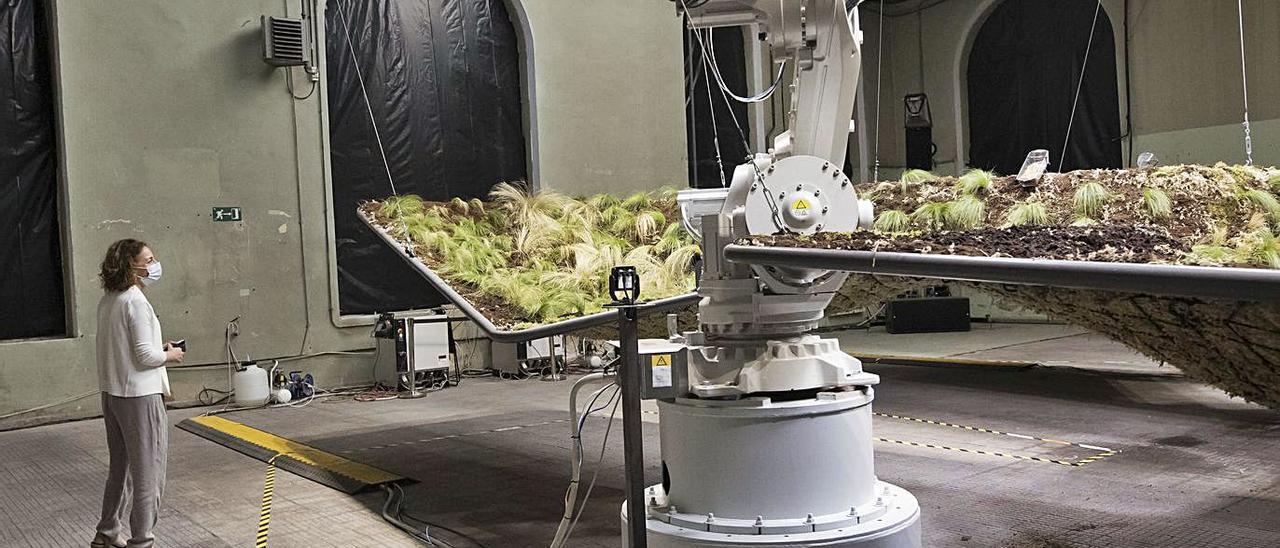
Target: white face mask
x,y
153,274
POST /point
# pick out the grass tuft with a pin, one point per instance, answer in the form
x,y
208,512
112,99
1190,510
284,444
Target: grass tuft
x,y
966,212
1263,200
1027,213
976,182
892,221
1156,203
917,176
931,216
1089,199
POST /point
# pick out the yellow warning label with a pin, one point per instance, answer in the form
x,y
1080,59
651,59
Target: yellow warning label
x,y
660,360
801,204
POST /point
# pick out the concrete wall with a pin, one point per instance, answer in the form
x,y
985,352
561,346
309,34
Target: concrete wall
x,y
609,94
1183,64
167,110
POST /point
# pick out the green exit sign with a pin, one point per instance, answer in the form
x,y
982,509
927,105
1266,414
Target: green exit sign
x,y
227,214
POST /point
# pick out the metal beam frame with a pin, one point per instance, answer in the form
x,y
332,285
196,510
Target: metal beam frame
x,y
1225,283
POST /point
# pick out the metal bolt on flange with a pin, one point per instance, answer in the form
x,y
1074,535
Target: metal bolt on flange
x,y
710,517
809,518
799,188
759,521
671,509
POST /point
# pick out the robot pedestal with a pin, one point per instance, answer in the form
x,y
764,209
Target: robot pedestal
x,y
759,472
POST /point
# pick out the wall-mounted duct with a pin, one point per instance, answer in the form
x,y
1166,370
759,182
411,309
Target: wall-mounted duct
x,y
285,42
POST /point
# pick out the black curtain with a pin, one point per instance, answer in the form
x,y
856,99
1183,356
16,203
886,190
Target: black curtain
x,y
703,124
1023,71
31,297
443,82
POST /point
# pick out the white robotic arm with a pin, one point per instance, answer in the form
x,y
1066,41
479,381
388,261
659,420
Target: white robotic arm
x,y
771,443
748,311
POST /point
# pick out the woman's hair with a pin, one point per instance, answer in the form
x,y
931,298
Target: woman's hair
x,y
116,273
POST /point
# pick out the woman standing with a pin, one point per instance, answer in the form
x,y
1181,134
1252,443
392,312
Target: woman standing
x,y
134,384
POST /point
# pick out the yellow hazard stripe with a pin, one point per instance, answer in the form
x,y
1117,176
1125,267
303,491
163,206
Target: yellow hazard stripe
x,y
983,452
942,360
997,432
264,515
300,452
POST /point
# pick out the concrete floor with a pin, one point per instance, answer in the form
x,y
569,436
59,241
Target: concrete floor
x,y
1195,469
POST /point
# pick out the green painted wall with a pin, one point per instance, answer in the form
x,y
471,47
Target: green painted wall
x,y
167,110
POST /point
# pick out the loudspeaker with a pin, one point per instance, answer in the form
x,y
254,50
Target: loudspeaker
x,y
927,315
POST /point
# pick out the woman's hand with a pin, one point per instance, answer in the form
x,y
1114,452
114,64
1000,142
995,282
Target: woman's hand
x,y
173,354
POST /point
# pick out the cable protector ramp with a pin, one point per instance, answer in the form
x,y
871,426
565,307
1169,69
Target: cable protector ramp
x,y
501,335
304,460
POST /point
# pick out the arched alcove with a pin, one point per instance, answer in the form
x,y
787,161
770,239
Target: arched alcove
x,y
1018,74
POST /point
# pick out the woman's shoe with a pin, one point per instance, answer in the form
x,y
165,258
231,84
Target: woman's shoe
x,y
101,541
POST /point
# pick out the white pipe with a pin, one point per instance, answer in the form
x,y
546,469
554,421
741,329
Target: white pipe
x,y
571,496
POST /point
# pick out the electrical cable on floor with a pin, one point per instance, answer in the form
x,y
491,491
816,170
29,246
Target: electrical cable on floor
x,y
393,512
579,420
586,497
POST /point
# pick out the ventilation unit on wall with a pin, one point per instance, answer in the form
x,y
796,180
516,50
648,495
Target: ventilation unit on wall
x,y
285,42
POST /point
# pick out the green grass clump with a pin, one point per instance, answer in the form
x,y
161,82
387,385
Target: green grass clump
x,y
917,176
1027,213
1089,199
892,221
931,216
400,206
966,212
1259,247
1274,182
1156,203
1263,200
976,182
1212,254
637,201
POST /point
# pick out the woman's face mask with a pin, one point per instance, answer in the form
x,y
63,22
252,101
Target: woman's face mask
x,y
153,273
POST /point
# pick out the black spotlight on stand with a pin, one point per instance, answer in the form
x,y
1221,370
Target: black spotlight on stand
x,y
624,289
919,126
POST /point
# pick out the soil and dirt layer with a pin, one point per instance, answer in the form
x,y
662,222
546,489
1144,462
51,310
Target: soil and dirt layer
x,y
1088,243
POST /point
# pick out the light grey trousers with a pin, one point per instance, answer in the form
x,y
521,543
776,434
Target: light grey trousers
x,y
138,439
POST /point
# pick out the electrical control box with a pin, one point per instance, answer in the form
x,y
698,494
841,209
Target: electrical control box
x,y
665,366
527,357
421,343
666,369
